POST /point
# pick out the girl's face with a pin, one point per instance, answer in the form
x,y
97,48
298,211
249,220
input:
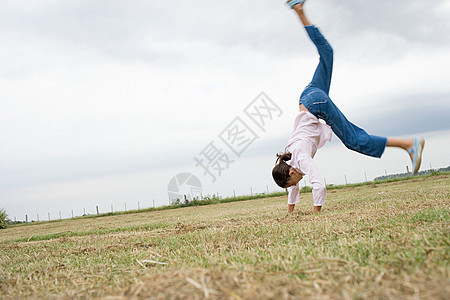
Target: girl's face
x,y
295,177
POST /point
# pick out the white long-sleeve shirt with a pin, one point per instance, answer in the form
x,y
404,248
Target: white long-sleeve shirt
x,y
308,136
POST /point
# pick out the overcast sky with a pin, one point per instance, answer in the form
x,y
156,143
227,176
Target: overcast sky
x,y
103,102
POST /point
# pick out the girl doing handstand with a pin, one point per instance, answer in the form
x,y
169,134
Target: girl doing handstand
x,y
309,134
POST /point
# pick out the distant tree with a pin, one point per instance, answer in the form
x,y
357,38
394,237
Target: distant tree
x,y
3,219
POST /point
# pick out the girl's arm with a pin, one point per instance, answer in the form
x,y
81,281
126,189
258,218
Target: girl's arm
x,y
293,197
319,190
290,208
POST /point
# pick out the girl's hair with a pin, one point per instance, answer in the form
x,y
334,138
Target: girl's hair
x,y
280,172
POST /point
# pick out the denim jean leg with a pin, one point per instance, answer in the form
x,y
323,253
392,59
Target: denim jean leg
x,y
316,99
324,70
352,136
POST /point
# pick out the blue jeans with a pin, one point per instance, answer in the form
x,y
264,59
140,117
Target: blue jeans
x,y
315,98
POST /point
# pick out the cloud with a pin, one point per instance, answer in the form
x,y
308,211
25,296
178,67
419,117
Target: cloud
x,y
407,115
414,22
110,88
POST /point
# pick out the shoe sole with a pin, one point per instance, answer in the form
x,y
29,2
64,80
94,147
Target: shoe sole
x,y
419,156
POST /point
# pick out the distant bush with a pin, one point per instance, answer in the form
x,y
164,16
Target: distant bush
x,y
306,189
434,172
3,219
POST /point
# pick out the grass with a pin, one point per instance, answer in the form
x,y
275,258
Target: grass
x,y
92,232
375,241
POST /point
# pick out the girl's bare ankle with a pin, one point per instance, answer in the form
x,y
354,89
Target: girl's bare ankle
x,y
410,144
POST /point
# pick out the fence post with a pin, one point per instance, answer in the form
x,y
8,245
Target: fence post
x,y
72,213
407,171
84,211
267,186
251,191
153,203
345,176
49,216
139,206
234,193
112,210
365,175
125,206
60,215
97,210
26,219
38,217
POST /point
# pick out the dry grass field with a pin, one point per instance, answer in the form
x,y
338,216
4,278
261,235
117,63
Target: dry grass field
x,y
380,241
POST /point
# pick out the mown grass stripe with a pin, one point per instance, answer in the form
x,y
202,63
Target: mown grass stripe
x,y
45,237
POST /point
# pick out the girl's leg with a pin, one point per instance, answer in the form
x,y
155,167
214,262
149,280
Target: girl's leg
x,y
405,144
414,148
352,136
298,8
358,139
324,70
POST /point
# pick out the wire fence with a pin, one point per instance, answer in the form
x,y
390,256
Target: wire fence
x,y
97,211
